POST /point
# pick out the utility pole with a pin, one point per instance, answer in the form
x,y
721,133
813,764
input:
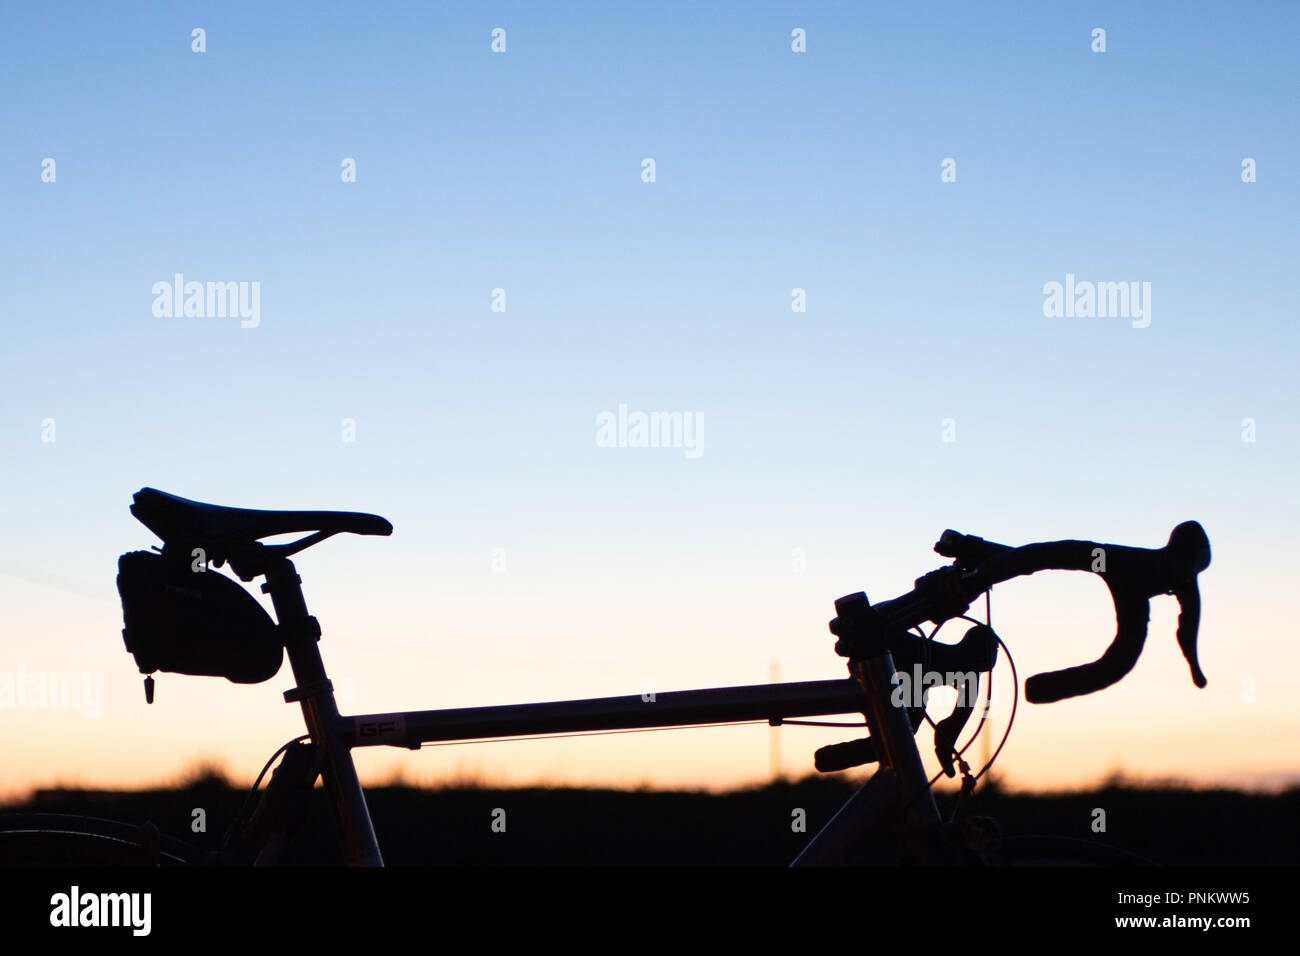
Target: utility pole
x,y
987,731
774,738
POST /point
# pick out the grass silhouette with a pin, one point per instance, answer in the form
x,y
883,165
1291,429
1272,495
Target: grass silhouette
x,y
452,824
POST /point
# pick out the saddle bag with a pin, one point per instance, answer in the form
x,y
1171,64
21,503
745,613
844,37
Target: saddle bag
x,y
200,623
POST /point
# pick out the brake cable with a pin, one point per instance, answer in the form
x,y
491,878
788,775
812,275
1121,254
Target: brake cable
x,y
243,810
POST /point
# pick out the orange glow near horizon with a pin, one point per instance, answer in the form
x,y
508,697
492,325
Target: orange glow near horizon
x,y
1152,726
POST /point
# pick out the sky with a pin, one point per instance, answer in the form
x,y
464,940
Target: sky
x,y
837,275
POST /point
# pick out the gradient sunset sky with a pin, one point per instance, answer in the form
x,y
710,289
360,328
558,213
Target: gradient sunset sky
x,y
530,563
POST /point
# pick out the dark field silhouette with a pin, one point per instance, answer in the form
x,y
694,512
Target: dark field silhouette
x,y
550,826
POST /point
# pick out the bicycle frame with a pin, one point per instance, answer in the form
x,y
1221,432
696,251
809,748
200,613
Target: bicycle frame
x,y
868,692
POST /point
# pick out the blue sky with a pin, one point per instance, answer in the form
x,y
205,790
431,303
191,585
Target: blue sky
x,y
821,429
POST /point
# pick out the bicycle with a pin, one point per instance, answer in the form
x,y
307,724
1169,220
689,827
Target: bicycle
x,y
181,616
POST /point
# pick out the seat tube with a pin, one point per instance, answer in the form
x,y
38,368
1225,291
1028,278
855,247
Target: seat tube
x,y
316,696
892,730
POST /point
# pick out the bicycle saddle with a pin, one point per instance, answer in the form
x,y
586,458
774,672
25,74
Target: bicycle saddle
x,y
179,519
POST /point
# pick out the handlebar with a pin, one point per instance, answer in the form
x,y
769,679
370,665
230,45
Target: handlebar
x,y
1133,575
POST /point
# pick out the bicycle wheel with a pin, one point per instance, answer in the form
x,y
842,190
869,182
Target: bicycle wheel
x,y
57,839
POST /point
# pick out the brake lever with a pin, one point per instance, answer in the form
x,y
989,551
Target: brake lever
x,y
1189,621
956,665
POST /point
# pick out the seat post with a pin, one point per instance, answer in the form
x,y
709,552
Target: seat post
x,y
315,694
